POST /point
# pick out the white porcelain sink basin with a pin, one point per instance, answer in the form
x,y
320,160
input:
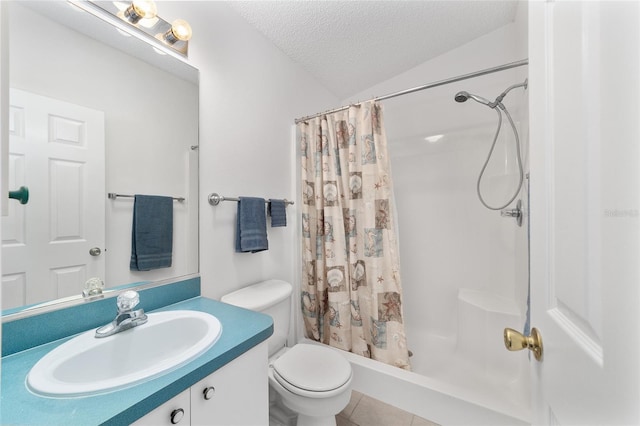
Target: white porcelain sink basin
x,y
86,365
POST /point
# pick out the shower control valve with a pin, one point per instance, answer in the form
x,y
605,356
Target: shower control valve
x,y
515,213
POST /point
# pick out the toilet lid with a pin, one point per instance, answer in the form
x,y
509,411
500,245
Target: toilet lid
x,y
313,368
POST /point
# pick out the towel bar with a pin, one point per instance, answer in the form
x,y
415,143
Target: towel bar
x,y
113,196
215,199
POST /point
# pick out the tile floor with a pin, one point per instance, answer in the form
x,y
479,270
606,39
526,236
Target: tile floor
x,y
366,411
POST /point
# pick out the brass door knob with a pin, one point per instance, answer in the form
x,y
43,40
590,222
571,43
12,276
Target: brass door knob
x,y
516,341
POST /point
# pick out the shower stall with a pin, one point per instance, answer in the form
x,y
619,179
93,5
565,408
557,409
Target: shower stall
x,y
464,267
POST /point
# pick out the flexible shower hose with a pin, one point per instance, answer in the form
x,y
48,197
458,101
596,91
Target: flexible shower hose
x,y
493,145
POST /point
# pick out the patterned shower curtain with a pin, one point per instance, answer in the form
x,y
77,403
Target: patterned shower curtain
x,y
351,289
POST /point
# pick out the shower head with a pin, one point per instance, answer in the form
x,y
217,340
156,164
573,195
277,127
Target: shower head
x,y
461,97
465,96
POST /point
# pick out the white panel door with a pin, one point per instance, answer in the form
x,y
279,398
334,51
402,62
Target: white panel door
x,y
57,151
585,257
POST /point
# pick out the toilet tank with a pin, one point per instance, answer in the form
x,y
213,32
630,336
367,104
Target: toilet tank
x,y
271,297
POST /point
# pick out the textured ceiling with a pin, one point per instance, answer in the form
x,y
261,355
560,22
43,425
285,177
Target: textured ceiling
x,y
352,45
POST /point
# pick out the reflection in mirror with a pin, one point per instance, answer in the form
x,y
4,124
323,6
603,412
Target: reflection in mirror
x,y
87,118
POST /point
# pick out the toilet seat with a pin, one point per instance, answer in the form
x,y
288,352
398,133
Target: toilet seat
x,y
312,371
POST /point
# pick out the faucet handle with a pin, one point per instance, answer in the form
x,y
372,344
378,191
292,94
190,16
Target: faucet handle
x,y
128,300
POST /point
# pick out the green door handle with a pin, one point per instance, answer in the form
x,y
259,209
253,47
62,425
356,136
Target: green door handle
x,y
21,195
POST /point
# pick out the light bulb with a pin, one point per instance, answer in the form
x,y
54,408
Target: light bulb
x,y
180,30
141,9
145,8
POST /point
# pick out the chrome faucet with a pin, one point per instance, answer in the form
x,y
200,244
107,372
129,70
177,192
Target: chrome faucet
x,y
127,318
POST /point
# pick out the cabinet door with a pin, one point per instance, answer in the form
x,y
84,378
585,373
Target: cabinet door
x,y
169,413
237,394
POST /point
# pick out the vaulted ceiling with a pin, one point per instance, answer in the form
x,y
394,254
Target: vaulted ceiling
x,y
352,45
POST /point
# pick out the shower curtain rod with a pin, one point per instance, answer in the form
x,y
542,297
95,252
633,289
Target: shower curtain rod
x,y
426,86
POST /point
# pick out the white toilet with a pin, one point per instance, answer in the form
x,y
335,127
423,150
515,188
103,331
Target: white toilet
x,y
312,380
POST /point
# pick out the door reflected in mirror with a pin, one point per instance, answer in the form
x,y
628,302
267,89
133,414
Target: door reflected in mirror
x,y
87,118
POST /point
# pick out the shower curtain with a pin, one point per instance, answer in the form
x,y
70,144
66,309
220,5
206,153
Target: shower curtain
x,y
351,289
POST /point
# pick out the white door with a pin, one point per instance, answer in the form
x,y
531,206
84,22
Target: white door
x,y
585,215
57,151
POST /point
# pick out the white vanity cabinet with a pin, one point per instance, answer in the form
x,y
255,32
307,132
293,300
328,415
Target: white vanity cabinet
x,y
176,411
237,394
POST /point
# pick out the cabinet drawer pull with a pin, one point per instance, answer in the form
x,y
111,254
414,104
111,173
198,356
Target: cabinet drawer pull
x,y
176,416
209,392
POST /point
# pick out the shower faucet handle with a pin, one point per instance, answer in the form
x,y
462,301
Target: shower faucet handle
x,y
510,213
515,213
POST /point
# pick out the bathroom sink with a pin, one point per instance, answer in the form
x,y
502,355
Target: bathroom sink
x,y
86,365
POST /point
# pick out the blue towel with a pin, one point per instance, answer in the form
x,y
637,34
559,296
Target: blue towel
x,y
278,212
152,233
251,226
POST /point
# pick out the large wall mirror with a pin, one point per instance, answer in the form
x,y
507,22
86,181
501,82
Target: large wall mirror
x,y
88,118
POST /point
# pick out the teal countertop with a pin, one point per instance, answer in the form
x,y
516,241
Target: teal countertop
x,y
241,330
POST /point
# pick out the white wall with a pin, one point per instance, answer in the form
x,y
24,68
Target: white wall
x,y
448,240
4,106
146,142
4,116
250,93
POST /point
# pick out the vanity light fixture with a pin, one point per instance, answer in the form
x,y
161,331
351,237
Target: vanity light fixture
x,y
140,18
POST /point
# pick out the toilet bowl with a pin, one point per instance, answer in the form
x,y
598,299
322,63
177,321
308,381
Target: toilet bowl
x,y
312,380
